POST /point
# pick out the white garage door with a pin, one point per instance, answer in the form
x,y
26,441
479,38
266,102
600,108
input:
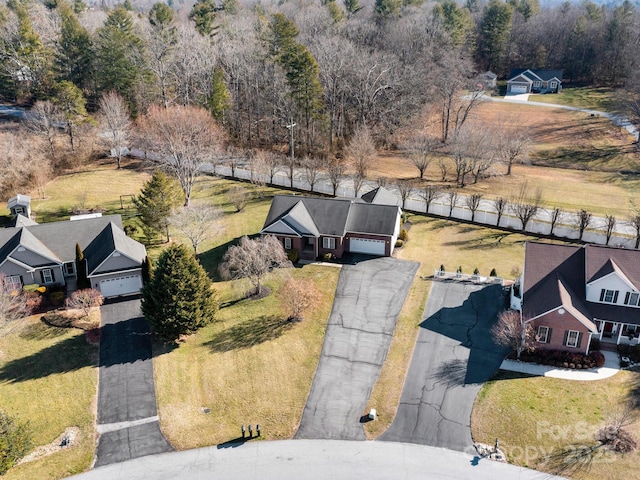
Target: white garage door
x,y
365,245
518,89
120,286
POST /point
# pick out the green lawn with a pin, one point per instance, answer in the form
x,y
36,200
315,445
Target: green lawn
x,y
594,98
48,376
536,418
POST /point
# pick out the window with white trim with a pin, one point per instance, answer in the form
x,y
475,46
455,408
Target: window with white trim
x,y
572,338
328,242
13,283
19,210
287,243
536,83
631,298
47,275
609,296
69,268
553,84
543,334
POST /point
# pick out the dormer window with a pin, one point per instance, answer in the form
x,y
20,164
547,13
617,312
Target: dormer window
x,y
609,296
631,298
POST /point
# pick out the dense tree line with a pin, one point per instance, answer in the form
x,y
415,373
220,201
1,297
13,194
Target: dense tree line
x,y
328,67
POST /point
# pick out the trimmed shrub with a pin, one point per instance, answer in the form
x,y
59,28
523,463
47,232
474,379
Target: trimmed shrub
x,y
399,243
56,298
459,270
598,358
403,235
442,268
594,346
293,255
476,271
493,273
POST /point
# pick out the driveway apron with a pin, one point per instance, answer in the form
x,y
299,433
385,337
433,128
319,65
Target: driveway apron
x,y
454,355
127,413
368,299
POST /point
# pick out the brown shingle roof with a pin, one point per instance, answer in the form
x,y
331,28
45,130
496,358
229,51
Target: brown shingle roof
x,y
601,260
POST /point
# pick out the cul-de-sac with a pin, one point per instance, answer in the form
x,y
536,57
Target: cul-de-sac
x,y
319,239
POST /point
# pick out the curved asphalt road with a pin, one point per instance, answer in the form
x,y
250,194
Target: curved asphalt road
x,y
368,299
454,355
127,414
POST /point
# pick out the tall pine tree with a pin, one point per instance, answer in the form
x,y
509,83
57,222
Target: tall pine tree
x,y
159,196
179,299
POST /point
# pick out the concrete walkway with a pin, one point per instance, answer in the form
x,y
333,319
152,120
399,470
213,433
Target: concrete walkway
x,y
368,299
609,369
127,414
315,460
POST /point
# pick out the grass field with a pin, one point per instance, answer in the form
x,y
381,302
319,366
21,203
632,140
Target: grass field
x,y
250,366
535,418
594,98
48,376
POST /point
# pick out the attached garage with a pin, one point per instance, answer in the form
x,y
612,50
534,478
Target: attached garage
x,y
519,88
367,245
113,287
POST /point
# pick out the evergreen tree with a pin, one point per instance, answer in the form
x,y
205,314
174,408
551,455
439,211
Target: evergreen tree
x,y
73,59
495,27
387,8
119,56
81,269
457,21
179,299
161,15
72,105
159,196
220,99
352,7
147,270
204,13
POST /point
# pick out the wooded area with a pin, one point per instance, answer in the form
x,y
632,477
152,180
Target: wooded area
x,y
308,77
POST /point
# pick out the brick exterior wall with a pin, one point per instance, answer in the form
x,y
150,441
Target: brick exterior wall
x,y
559,325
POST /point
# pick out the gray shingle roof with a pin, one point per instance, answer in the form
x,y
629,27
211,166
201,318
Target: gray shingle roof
x,y
21,221
19,199
544,74
335,216
110,239
58,239
381,196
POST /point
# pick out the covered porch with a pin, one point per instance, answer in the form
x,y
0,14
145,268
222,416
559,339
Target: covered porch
x,y
618,333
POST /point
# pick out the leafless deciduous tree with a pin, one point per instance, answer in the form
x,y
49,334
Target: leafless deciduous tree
x,y
197,223
297,295
114,123
13,305
511,330
472,153
443,165
421,146
264,164
84,300
429,193
473,203
253,259
361,152
513,146
311,168
500,204
45,120
452,196
609,225
185,139
554,216
635,223
238,196
525,204
583,219
405,187
336,171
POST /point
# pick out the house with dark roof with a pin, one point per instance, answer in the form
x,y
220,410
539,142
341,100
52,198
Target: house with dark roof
x,y
534,80
572,294
315,226
45,254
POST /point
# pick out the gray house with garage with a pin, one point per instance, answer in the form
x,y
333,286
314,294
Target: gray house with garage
x,y
45,254
316,226
534,80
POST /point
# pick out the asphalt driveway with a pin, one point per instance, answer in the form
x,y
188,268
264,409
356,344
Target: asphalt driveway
x,y
454,355
127,413
368,299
